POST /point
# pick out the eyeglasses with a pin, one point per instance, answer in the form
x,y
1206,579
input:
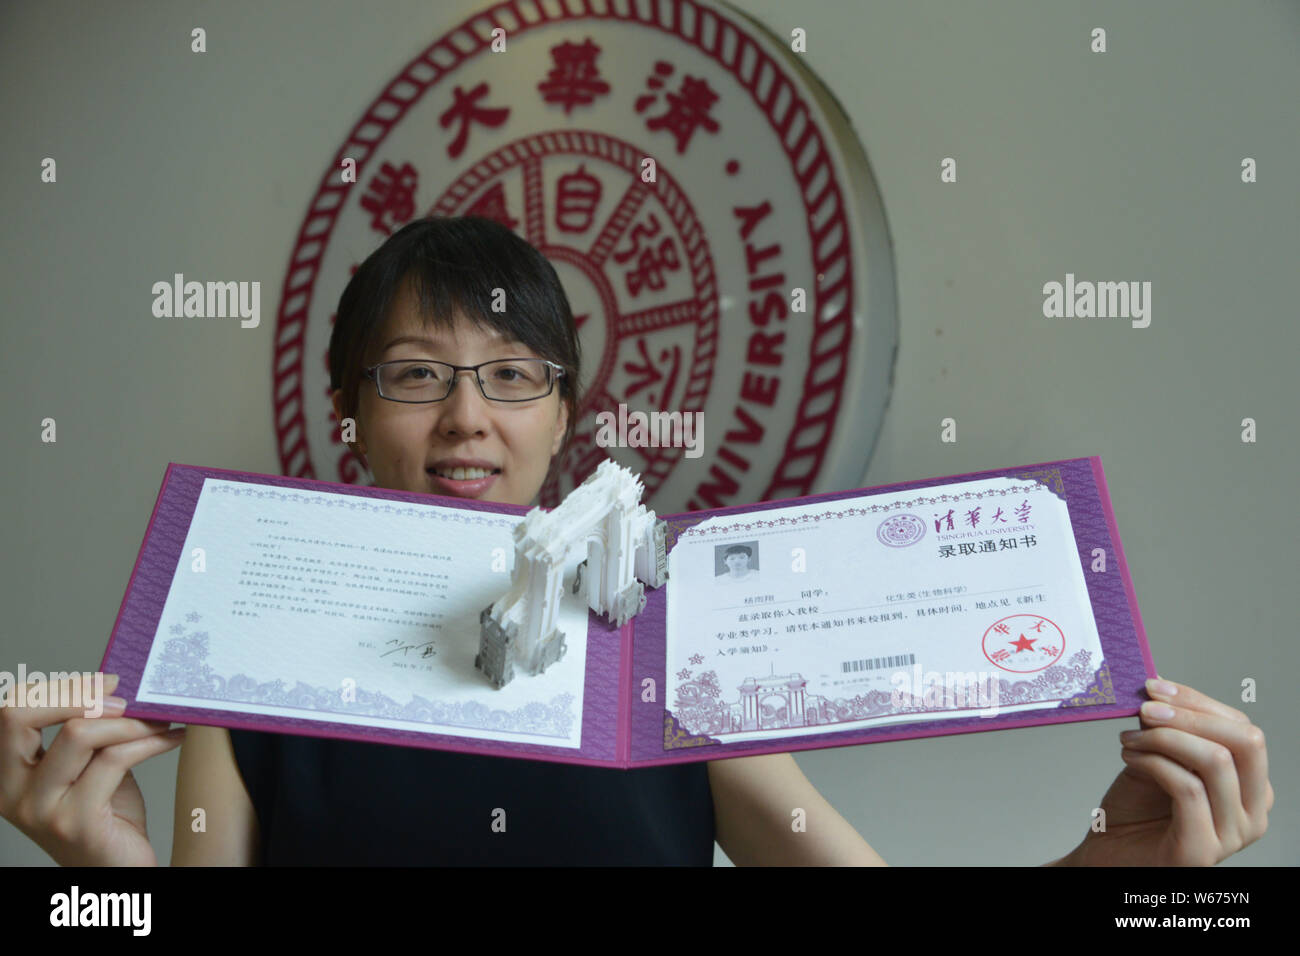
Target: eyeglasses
x,y
418,381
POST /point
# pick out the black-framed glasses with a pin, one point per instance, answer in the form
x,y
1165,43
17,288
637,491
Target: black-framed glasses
x,y
418,381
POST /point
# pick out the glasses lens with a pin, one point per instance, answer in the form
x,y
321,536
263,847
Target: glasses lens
x,y
516,380
414,381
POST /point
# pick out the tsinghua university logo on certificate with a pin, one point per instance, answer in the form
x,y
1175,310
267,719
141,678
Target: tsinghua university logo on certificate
x,y
704,202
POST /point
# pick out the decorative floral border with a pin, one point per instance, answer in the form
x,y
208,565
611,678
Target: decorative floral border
x,y
1100,691
676,736
1049,478
1054,680
355,502
181,671
686,526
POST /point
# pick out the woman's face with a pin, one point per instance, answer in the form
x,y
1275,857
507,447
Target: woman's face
x,y
402,443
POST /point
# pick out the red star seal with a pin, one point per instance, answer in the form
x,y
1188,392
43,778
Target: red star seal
x,y
1024,644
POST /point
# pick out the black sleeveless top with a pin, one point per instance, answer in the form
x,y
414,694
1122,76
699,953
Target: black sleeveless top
x,y
326,802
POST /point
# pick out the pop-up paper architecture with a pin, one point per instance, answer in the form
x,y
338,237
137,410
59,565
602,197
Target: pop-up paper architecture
x,y
602,518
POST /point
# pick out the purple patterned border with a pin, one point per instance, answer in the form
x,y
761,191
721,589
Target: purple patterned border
x,y
1118,689
684,526
146,593
183,671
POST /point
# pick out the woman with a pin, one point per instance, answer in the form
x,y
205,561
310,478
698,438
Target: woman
x,y
1194,789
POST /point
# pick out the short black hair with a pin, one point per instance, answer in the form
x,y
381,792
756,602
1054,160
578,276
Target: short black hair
x,y
454,264
739,549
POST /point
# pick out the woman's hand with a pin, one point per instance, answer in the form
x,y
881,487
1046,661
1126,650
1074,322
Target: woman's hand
x,y
78,801
1194,790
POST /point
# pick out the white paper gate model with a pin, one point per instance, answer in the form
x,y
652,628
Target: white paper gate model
x,y
624,549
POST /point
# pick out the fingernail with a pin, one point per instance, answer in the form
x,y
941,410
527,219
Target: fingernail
x,y
1129,735
114,704
1154,710
1162,687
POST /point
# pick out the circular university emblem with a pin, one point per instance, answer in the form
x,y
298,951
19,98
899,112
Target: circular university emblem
x,y
682,272
898,531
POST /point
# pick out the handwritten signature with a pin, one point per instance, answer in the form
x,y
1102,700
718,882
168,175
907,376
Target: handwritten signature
x,y
427,645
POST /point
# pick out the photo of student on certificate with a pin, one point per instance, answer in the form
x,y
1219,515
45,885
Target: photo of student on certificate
x,y
739,563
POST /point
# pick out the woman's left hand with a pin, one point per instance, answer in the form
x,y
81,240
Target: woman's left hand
x,y
1194,790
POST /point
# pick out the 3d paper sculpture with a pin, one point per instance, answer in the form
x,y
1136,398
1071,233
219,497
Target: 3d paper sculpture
x,y
624,545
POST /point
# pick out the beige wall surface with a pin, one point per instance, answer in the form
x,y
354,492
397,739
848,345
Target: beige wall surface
x,y
1115,166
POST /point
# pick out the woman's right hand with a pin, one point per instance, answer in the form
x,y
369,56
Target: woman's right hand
x,y
79,801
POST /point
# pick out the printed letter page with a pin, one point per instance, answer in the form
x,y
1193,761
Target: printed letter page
x,y
353,610
940,602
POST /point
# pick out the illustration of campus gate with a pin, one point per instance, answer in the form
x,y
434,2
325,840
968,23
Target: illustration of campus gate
x,y
755,712
625,550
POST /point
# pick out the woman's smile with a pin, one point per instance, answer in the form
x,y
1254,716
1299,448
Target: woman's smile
x,y
470,483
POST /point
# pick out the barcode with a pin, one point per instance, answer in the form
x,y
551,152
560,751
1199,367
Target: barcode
x,y
875,663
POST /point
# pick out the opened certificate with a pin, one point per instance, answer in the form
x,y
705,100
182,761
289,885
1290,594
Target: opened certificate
x,y
950,605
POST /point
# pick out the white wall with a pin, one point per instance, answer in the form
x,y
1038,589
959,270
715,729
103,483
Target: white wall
x,y
1122,166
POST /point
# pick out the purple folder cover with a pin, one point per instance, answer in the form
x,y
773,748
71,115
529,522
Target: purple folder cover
x,y
619,728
